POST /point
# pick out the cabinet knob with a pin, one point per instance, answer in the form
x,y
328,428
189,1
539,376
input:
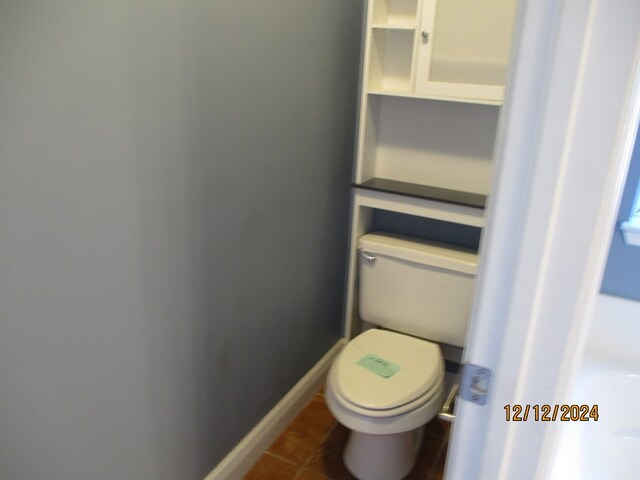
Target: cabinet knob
x,y
425,35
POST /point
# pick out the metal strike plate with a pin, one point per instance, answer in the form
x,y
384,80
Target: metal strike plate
x,y
474,385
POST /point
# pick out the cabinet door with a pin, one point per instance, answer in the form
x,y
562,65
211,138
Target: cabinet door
x,y
464,48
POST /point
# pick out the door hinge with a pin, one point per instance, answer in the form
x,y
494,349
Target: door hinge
x,y
474,384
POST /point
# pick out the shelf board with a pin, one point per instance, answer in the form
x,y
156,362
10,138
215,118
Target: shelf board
x,y
390,92
445,195
393,26
439,98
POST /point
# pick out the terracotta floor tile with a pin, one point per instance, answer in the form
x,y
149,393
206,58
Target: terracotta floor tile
x,y
305,433
309,475
315,418
327,458
270,467
295,446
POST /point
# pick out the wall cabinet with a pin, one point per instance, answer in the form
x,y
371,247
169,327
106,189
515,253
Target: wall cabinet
x,y
446,49
432,82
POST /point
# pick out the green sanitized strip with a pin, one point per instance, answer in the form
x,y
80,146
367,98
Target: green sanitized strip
x,y
378,365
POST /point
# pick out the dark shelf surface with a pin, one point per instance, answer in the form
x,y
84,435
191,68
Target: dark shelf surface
x,y
415,190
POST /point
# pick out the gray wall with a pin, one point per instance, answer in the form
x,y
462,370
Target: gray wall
x,y
173,223
622,274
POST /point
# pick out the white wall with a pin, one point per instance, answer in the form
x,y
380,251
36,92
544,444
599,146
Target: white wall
x,y
173,208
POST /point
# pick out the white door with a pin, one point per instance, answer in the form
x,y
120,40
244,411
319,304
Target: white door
x,y
563,148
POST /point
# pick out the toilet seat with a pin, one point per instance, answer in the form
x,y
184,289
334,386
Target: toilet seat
x,y
411,373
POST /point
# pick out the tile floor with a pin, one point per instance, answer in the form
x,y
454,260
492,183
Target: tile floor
x,y
311,449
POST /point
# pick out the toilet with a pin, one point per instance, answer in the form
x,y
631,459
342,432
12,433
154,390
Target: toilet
x,y
388,381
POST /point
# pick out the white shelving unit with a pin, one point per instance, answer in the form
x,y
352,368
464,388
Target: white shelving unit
x,y
433,81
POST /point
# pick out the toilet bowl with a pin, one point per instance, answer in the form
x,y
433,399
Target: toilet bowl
x,y
384,386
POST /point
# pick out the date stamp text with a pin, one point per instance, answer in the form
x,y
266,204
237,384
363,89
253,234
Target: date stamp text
x,y
551,413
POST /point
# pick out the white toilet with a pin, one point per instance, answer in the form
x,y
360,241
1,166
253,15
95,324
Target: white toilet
x,y
388,382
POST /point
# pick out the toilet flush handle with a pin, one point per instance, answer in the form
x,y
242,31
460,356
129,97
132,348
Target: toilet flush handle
x,y
369,257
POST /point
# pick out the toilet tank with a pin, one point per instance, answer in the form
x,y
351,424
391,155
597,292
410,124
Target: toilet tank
x,y
416,287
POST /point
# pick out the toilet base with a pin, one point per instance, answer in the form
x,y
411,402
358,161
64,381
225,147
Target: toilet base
x,y
382,457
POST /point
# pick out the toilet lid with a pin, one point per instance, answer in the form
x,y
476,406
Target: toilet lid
x,y
381,370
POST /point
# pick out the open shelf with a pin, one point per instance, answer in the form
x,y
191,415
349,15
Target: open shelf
x,y
427,142
402,12
391,59
427,192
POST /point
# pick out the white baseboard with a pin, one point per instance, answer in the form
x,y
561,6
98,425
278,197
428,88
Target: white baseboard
x,y
250,449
